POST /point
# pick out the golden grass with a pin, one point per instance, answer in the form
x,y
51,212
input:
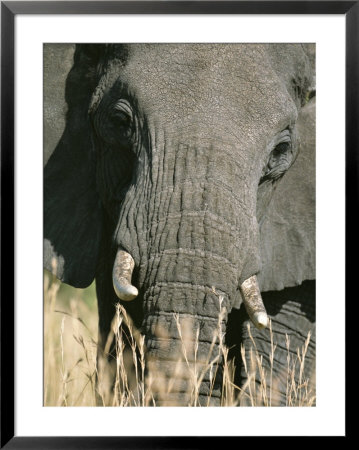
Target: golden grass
x,y
73,377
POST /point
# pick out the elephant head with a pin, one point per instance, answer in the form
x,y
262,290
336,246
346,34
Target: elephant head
x,y
161,184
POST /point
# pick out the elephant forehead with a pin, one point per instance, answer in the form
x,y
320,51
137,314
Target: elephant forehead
x,y
210,84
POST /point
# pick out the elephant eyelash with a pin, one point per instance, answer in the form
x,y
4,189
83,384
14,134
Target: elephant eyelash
x,y
124,107
123,119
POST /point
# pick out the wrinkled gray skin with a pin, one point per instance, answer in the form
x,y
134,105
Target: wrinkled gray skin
x,y
176,154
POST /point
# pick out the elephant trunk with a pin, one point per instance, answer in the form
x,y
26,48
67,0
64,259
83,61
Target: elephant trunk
x,y
183,341
187,294
194,238
185,346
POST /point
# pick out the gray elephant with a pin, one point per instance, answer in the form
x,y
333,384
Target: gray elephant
x,y
169,187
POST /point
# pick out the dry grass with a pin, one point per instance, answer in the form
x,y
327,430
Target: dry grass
x,y
71,370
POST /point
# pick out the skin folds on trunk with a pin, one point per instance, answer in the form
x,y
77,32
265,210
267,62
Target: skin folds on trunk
x,y
183,337
184,356
190,234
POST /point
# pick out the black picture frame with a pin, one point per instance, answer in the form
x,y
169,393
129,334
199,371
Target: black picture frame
x,y
9,10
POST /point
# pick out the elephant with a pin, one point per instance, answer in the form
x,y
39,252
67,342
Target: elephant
x,y
184,184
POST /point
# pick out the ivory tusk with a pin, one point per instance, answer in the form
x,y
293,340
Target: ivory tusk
x,y
121,276
253,302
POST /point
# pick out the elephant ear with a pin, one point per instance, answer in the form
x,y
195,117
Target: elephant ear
x,y
72,209
287,232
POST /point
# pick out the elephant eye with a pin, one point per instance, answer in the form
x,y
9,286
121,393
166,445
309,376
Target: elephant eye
x,y
281,157
123,111
116,123
121,120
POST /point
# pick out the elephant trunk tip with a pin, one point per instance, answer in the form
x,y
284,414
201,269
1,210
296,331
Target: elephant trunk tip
x,y
121,276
